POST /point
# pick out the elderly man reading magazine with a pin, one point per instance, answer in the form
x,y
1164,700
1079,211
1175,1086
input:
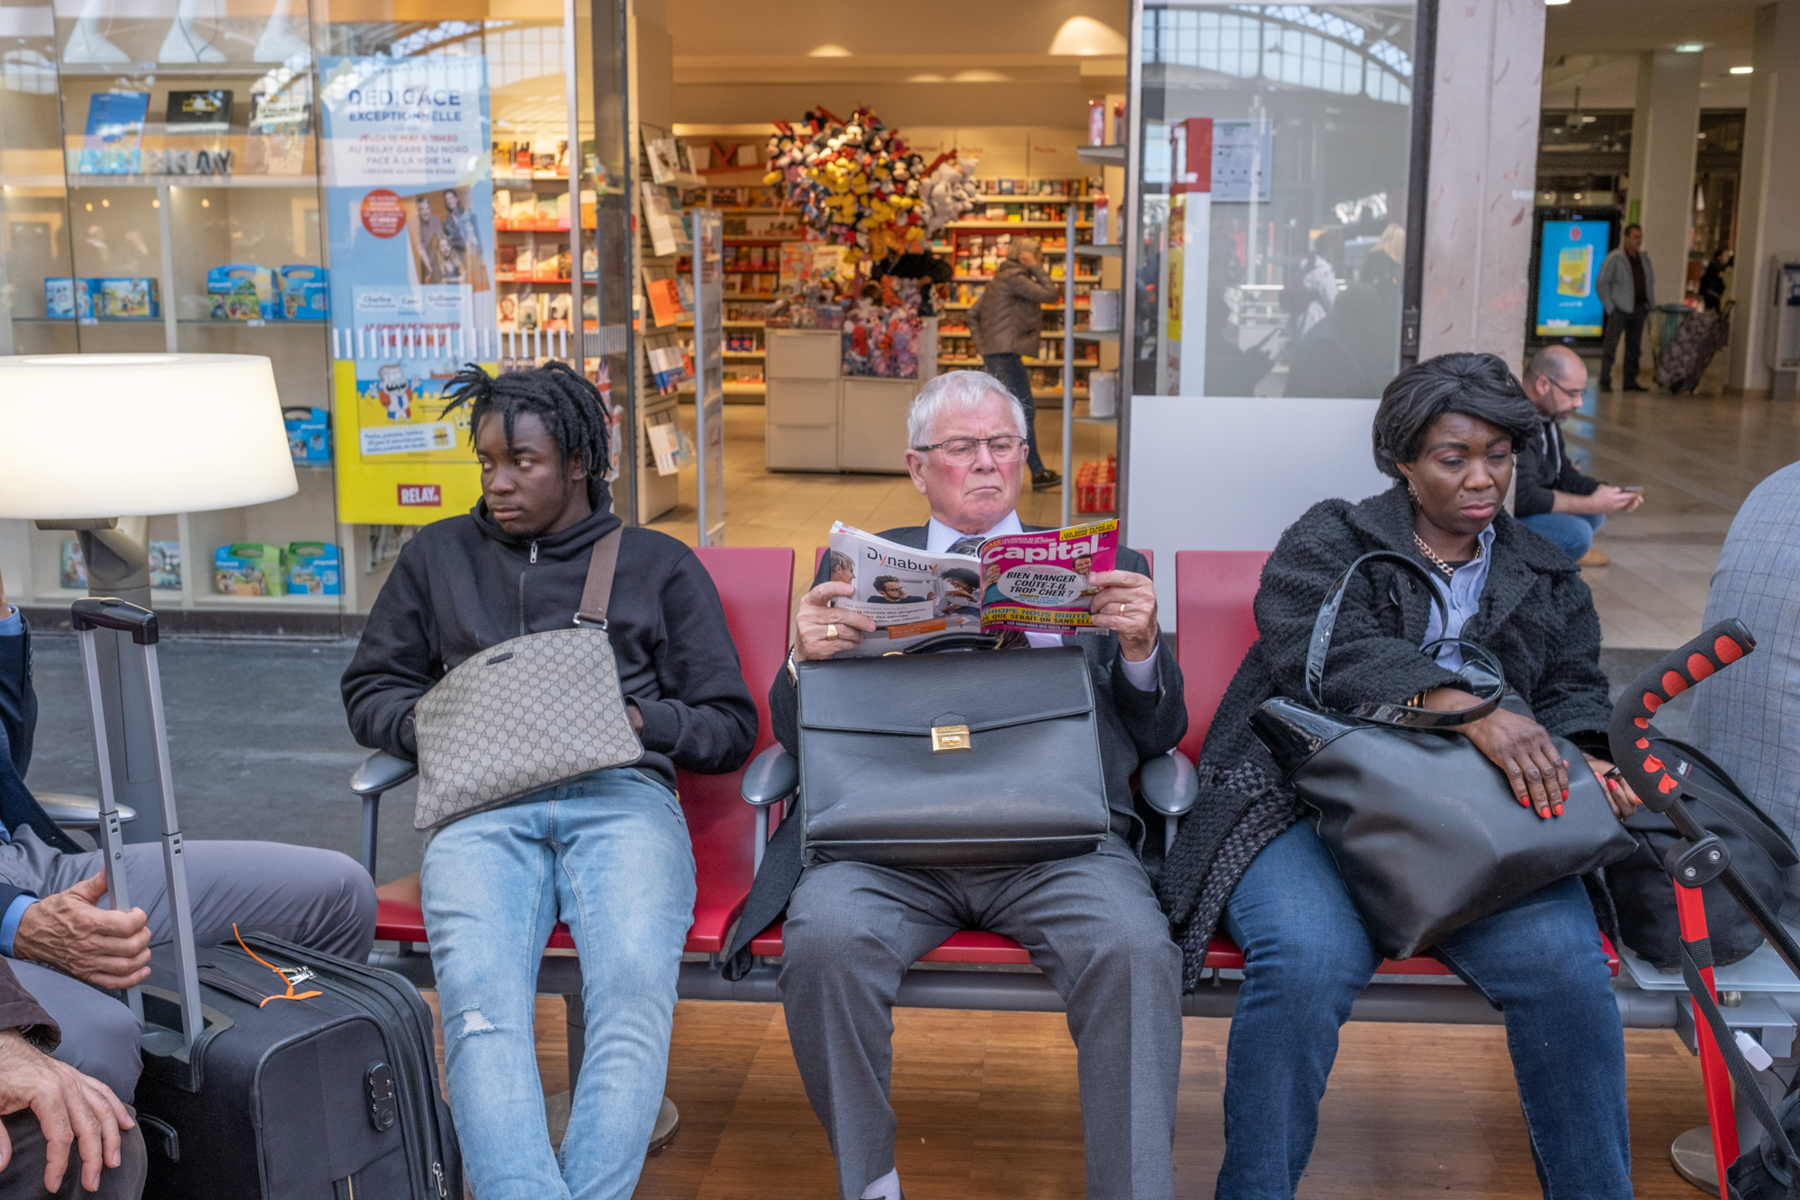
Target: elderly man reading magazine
x,y
1090,922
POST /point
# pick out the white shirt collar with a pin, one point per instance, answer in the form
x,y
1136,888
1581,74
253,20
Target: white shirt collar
x,y
939,537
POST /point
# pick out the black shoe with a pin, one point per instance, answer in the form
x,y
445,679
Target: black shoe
x,y
1635,387
1045,479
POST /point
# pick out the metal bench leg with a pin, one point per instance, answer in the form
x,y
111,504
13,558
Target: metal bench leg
x,y
371,821
668,1117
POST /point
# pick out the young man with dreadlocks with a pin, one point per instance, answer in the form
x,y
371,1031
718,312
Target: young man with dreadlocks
x,y
606,853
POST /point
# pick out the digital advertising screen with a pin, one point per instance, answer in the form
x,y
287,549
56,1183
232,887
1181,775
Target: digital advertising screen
x,y
1569,256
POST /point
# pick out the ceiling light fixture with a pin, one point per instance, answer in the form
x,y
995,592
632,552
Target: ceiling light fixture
x,y
1088,38
828,50
1742,70
1689,47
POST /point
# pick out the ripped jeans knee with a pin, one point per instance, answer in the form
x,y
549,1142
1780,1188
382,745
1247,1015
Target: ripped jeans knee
x,y
472,1021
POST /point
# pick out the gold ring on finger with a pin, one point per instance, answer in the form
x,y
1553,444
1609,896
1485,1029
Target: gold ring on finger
x,y
831,633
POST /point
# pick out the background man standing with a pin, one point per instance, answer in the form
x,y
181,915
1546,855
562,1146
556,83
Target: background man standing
x,y
1551,495
1008,324
1628,293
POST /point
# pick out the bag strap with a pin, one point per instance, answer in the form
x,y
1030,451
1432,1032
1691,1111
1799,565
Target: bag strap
x,y
1402,715
1729,801
1695,956
598,590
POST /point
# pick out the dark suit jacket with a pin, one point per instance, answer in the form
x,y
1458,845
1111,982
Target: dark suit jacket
x,y
18,722
1135,726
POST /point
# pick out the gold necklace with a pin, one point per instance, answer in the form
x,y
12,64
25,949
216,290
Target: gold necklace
x,y
1431,556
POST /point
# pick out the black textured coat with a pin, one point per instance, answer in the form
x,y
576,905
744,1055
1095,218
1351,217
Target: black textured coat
x,y
1536,615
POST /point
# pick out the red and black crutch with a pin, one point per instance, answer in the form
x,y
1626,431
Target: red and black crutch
x,y
1697,860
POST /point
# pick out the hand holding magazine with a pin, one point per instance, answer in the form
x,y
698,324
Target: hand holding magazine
x,y
1035,582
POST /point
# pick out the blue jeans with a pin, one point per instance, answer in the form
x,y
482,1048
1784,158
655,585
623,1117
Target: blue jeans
x,y
609,856
1010,370
1307,955
1573,533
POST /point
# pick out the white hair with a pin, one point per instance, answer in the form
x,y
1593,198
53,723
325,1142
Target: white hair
x,y
955,392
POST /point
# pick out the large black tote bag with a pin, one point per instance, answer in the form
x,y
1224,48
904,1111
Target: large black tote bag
x,y
1424,828
950,760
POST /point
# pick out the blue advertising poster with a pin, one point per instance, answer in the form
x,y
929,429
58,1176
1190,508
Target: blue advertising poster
x,y
1568,300
410,214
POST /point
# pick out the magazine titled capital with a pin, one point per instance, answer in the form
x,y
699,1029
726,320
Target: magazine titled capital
x,y
1035,582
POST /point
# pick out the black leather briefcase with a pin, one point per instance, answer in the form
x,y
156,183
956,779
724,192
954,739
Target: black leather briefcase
x,y
950,760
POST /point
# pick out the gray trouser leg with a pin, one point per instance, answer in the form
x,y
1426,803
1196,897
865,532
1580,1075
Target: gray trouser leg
x,y
318,898
99,1036
23,1178
852,931
1093,926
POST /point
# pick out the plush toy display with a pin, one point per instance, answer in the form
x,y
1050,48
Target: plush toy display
x,y
949,191
854,181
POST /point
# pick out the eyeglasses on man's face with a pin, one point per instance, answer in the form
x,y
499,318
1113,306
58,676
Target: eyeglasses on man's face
x,y
960,452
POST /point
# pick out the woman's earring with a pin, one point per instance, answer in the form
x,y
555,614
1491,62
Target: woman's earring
x,y
1412,493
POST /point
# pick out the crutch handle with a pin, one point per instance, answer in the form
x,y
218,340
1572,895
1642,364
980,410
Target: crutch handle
x,y
1680,669
104,612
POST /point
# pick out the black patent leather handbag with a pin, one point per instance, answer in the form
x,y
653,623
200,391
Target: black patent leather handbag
x,y
1424,828
934,759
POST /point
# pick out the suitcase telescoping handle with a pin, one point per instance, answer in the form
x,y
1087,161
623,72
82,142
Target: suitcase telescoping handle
x,y
89,615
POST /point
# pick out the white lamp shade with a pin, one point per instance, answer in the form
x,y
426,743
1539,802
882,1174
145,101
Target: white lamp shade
x,y
126,435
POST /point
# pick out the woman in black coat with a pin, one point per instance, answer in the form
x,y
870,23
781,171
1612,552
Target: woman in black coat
x,y
1445,431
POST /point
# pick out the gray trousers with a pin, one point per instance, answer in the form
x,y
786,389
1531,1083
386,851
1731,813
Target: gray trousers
x,y
1091,924
23,1176
319,898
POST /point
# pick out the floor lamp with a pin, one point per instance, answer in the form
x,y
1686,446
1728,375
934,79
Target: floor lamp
x,y
97,443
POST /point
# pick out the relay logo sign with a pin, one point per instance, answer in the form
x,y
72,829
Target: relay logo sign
x,y
421,495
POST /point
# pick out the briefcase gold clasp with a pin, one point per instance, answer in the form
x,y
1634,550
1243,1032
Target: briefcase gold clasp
x,y
947,739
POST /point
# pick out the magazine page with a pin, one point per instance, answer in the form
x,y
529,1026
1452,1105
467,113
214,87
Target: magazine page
x,y
1038,582
910,594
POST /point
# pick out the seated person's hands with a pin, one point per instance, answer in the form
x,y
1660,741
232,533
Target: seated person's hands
x,y
1624,801
1535,768
1126,604
1608,498
71,1109
95,945
820,630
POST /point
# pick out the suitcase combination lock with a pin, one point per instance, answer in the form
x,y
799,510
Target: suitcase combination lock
x,y
378,1088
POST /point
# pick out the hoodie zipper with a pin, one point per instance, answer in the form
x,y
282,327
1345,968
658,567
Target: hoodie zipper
x,y
522,570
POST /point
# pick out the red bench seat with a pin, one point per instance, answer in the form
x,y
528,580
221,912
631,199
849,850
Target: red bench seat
x,y
974,946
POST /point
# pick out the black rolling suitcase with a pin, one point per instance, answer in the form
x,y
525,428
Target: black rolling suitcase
x,y
269,1070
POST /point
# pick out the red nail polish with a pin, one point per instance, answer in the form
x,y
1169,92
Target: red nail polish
x,y
1524,801
1558,809
1565,795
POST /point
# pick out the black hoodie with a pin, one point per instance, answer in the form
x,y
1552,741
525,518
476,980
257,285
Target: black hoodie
x,y
464,584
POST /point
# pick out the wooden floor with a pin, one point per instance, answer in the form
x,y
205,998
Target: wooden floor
x,y
989,1108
